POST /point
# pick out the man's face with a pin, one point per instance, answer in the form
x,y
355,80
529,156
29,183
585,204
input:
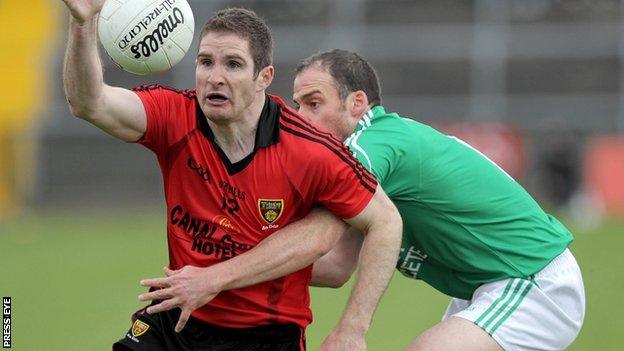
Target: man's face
x,y
316,95
224,77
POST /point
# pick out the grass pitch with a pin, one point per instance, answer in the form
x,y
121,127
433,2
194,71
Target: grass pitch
x,y
74,279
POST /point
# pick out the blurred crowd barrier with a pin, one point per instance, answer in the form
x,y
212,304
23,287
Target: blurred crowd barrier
x,y
533,84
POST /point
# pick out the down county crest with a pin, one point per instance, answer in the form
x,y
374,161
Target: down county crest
x,y
139,328
270,209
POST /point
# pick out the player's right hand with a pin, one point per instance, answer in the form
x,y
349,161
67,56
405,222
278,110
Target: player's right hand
x,y
84,10
187,288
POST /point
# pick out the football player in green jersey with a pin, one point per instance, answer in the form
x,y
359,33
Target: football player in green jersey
x,y
469,230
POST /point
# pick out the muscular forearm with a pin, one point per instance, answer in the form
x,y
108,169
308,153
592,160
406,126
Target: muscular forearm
x,y
82,71
288,250
382,227
117,111
378,258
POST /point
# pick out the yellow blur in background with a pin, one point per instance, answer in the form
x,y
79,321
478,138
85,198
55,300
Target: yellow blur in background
x,y
30,30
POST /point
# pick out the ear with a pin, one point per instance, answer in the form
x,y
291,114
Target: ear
x,y
357,103
265,77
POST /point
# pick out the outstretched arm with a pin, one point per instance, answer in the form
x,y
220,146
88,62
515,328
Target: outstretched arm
x,y
117,111
288,250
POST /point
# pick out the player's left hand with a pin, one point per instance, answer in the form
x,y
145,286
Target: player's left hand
x,y
344,341
187,288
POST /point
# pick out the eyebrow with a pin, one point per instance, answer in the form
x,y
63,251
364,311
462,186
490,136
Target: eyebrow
x,y
306,95
227,57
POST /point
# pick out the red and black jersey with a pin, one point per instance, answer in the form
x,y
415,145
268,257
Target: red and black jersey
x,y
218,209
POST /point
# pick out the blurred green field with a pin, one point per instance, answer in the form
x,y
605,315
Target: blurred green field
x,y
73,277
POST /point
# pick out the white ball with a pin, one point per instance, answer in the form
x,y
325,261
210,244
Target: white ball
x,y
146,36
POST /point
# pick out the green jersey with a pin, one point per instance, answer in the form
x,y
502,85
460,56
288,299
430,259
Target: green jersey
x,y
465,221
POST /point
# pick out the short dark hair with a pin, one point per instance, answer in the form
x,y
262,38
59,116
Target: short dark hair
x,y
350,71
248,25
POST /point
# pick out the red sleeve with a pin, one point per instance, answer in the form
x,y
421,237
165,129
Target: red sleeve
x,y
169,116
323,169
342,184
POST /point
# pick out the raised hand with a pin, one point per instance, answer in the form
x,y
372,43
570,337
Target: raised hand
x,y
84,10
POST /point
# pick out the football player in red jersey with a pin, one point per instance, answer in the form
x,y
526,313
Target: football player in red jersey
x,y
238,165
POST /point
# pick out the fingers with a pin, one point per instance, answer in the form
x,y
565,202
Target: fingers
x,y
156,282
163,306
157,295
184,316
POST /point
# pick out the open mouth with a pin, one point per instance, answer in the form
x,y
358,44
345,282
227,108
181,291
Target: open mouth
x,y
217,98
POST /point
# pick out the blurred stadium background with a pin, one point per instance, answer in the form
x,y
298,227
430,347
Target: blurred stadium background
x,y
538,85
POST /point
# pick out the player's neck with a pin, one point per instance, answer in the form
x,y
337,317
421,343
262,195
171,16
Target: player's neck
x,y
237,138
351,122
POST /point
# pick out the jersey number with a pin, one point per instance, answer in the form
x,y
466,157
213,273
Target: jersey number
x,y
230,204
